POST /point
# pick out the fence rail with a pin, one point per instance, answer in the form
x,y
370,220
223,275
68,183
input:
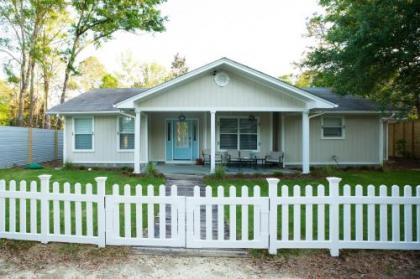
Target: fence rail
x,y
333,217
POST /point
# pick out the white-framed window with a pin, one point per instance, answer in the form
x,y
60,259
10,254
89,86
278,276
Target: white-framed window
x,y
83,133
125,133
332,127
236,133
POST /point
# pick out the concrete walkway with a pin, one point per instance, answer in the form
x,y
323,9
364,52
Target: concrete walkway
x,y
185,184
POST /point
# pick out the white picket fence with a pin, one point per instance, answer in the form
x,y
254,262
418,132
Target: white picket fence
x,y
297,217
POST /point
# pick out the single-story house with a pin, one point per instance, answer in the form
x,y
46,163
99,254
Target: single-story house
x,y
223,105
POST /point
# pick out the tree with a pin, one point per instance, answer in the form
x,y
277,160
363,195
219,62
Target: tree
x,y
97,20
109,81
369,48
288,78
6,97
152,74
178,66
90,74
129,71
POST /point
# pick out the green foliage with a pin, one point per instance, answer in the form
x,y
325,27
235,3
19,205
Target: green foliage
x,y
90,74
6,96
109,81
151,170
178,66
369,48
401,147
219,172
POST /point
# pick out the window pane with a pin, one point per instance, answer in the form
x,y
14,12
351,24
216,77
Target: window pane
x,y
248,126
126,141
332,132
248,142
126,125
83,141
332,122
228,125
83,125
182,134
228,141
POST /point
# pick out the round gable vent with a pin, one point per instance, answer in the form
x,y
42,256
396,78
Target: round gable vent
x,y
221,79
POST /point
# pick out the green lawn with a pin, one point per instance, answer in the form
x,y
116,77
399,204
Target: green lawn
x,y
78,176
351,177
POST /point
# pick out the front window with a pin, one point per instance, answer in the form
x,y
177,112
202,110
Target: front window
x,y
83,133
126,133
238,133
333,127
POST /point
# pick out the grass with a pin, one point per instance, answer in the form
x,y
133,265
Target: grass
x,y
82,176
351,177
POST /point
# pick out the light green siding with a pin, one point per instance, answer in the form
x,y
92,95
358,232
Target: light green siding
x,y
360,145
203,93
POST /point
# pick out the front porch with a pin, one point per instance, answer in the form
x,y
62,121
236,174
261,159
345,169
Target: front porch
x,y
230,170
242,141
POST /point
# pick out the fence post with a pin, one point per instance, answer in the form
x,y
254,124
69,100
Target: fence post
x,y
334,183
272,223
100,182
45,218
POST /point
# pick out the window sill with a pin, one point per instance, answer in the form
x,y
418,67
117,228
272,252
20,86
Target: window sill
x,y
125,150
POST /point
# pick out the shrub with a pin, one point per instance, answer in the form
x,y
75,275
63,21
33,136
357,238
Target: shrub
x,y
219,172
69,166
151,170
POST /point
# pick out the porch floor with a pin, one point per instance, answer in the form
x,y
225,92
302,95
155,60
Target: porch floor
x,y
205,170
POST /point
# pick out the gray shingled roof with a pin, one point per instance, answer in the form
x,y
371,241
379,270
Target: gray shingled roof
x,y
104,99
345,103
97,100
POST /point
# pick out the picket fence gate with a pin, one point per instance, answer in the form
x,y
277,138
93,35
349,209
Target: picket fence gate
x,y
297,217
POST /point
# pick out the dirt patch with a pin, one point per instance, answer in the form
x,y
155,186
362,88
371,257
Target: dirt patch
x,y
20,259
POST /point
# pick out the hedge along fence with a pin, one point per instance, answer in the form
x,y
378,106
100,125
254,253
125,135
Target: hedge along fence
x,y
19,145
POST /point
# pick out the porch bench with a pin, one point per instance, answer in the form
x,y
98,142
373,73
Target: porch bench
x,y
274,158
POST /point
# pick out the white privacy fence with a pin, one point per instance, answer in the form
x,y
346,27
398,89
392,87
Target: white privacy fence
x,y
333,217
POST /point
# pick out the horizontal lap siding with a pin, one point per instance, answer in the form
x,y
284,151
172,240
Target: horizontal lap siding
x,y
203,93
361,143
105,143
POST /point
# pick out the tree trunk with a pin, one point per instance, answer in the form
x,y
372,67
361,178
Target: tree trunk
x,y
69,67
31,93
46,119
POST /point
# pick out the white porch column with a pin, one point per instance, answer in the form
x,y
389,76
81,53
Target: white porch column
x,y
137,142
283,136
146,139
381,141
305,142
212,141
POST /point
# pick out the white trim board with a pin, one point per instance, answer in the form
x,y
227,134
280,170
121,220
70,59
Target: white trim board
x,y
333,163
311,100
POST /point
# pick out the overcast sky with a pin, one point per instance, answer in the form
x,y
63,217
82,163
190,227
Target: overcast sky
x,y
265,34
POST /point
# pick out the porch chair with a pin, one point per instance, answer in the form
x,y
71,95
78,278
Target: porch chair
x,y
274,158
206,155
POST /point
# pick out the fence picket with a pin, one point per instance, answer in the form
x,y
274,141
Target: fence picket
x,y
127,212
418,214
220,215
371,215
22,213
395,215
12,208
78,210
89,214
232,214
139,213
2,207
33,202
244,223
116,211
284,215
383,215
296,214
162,213
56,209
321,214
209,218
408,228
174,214
197,215
257,214
359,214
347,216
150,213
308,215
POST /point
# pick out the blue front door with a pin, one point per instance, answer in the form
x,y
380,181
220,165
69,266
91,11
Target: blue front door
x,y
182,143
